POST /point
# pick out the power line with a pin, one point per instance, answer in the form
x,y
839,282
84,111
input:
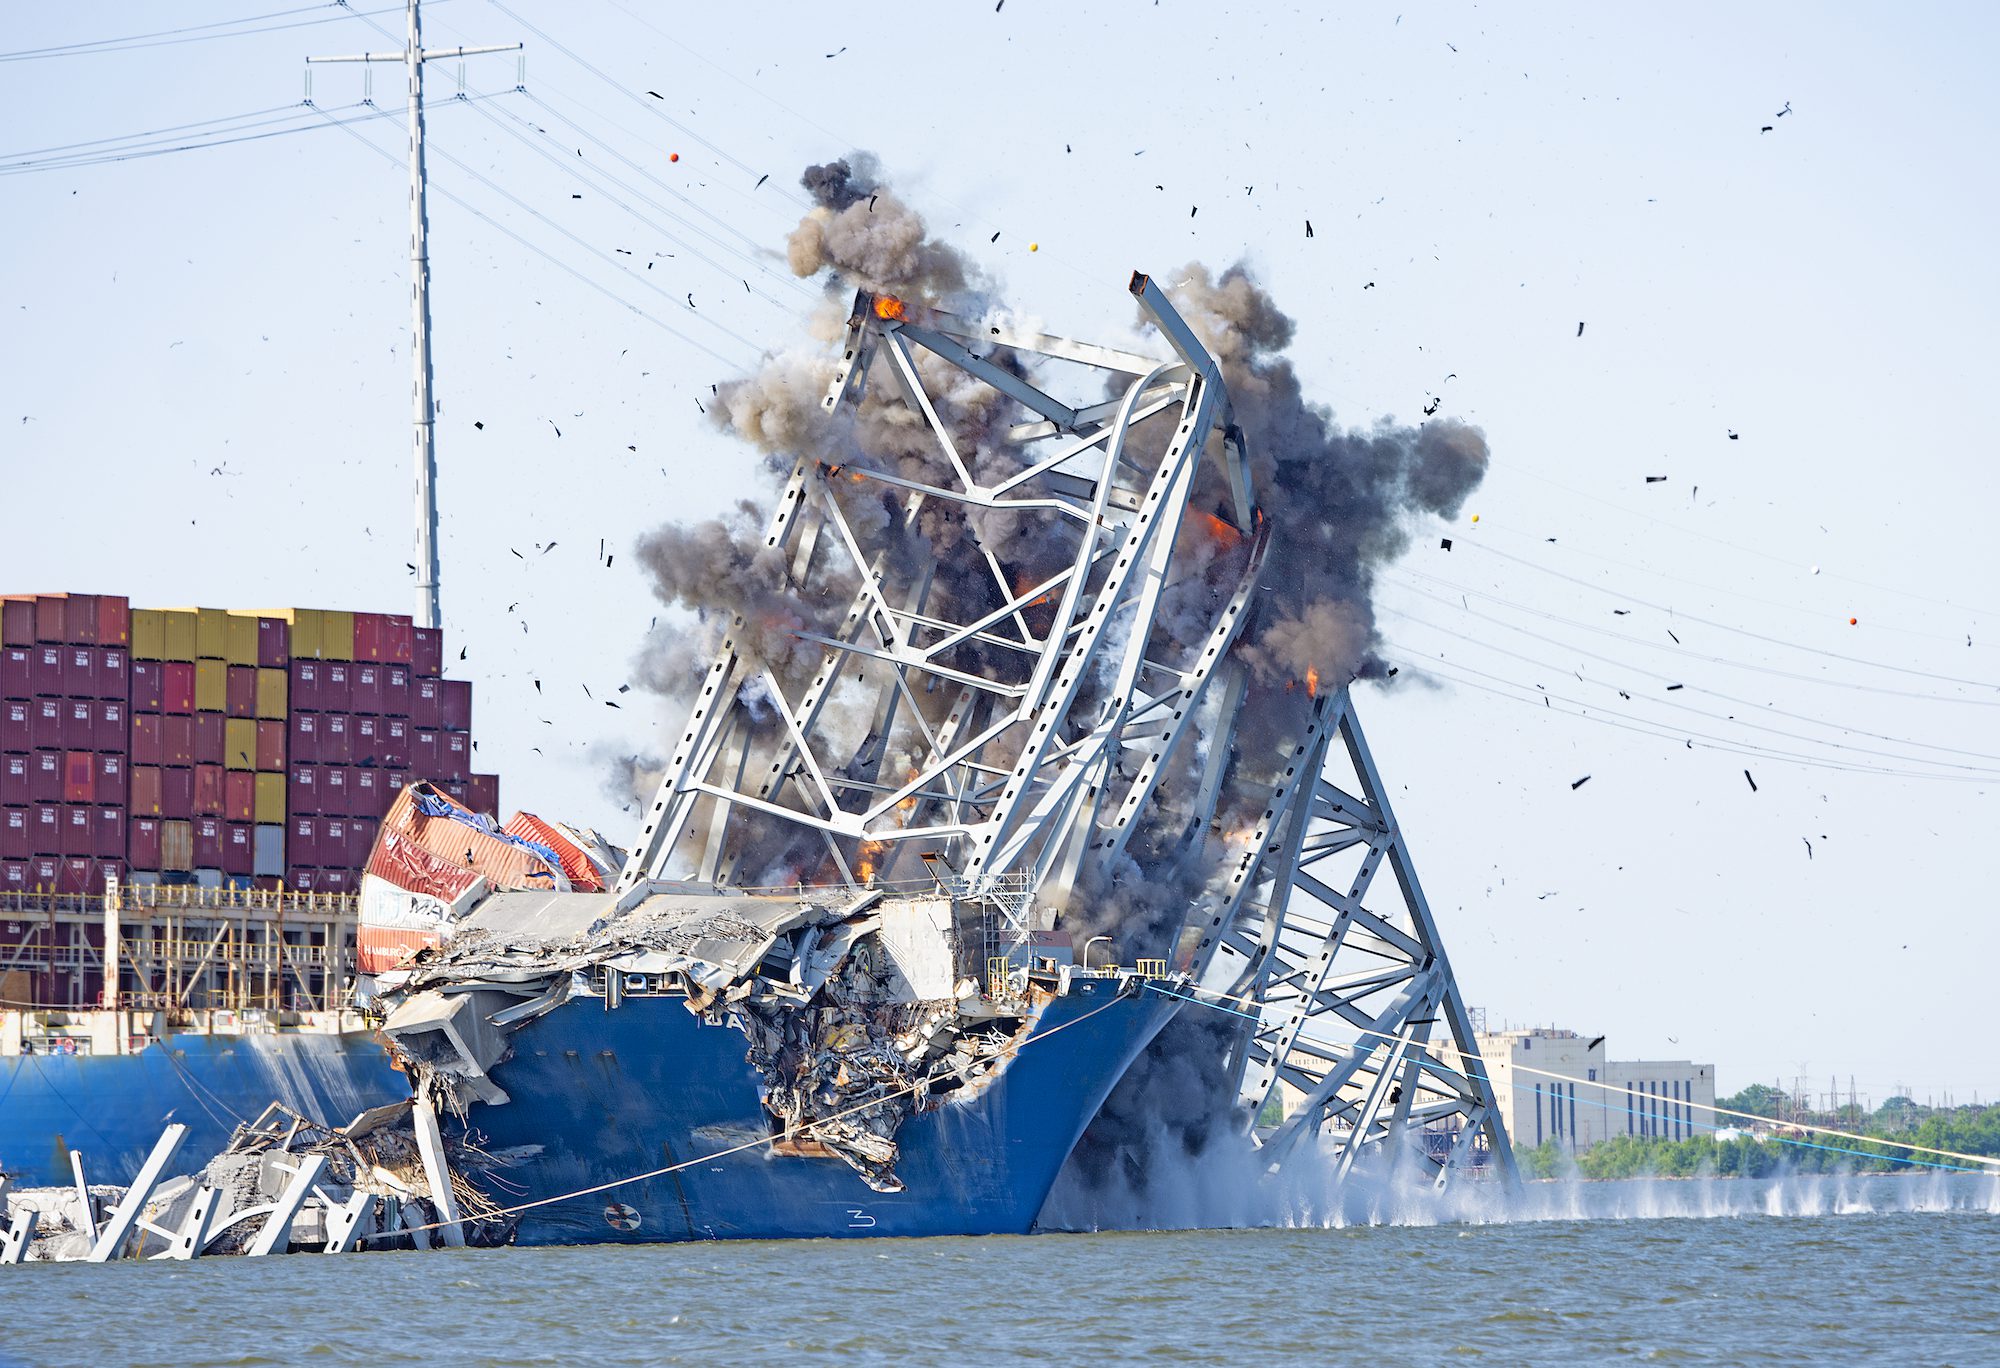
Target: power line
x,y
196,33
544,254
1723,626
149,133
1698,712
66,163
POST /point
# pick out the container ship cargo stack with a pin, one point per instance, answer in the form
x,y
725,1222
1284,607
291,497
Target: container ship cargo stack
x,y
199,789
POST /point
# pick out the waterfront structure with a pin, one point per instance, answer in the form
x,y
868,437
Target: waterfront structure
x,y
1553,1084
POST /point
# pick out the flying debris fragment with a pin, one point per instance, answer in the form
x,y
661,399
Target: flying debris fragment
x,y
1748,780
1579,783
1579,330
1656,479
1444,543
1309,227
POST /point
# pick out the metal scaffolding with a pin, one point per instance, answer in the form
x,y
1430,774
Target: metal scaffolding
x,y
1013,675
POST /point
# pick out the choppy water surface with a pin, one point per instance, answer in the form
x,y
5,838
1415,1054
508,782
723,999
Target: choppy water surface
x,y
1803,1271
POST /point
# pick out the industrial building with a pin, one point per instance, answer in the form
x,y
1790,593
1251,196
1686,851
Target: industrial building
x,y
1558,1085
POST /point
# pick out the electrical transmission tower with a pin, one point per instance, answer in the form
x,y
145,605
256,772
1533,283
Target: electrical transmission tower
x,y
423,407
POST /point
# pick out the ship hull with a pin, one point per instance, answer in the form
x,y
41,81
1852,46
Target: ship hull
x,y
601,1096
113,1107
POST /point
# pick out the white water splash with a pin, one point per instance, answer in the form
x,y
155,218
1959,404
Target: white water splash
x,y
1226,1189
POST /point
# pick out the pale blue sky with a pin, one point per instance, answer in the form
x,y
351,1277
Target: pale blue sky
x,y
1826,290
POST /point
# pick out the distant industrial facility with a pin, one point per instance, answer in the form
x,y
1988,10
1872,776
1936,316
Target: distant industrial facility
x,y
1557,1085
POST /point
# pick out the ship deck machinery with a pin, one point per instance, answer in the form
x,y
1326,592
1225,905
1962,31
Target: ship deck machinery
x,y
1011,680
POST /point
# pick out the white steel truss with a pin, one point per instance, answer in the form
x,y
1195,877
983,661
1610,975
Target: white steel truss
x,y
1007,722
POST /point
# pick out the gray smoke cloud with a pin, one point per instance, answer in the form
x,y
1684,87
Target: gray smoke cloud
x,y
1340,502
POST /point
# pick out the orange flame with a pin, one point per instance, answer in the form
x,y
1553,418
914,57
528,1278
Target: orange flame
x,y
888,307
1220,532
869,850
1312,681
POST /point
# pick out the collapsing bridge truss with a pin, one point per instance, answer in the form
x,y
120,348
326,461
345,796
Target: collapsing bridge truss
x,y
1013,675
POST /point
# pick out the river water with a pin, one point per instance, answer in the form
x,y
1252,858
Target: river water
x,y
1798,1271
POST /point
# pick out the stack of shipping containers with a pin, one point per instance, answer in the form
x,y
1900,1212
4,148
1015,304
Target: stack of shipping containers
x,y
218,747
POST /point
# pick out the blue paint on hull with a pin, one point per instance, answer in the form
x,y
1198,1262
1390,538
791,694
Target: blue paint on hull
x,y
113,1107
610,1094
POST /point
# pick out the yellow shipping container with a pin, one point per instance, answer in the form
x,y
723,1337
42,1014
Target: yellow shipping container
x,y
305,631
211,634
239,743
149,634
336,635
317,633
211,685
240,634
177,630
270,798
272,691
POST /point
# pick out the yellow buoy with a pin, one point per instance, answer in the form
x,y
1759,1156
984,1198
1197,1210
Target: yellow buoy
x,y
1034,246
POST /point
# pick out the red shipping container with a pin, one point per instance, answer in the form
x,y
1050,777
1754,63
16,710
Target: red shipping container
x,y
14,841
112,675
146,792
177,686
14,876
305,738
304,687
302,842
17,622
79,723
333,791
397,781
336,738
79,776
459,789
332,842
145,738
108,733
208,792
336,881
112,781
395,742
114,620
238,849
177,794
240,691
365,688
48,670
209,737
271,747
208,842
49,613
361,840
147,693
79,671
110,828
45,871
74,875
426,701
79,830
177,739
51,722
110,869
302,793
304,880
45,776
274,643
17,671
14,788
457,704
364,792
425,753
395,691
399,639
45,828
334,685
239,796
368,636
367,740
457,756
142,843
427,650
17,726
80,620
485,794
